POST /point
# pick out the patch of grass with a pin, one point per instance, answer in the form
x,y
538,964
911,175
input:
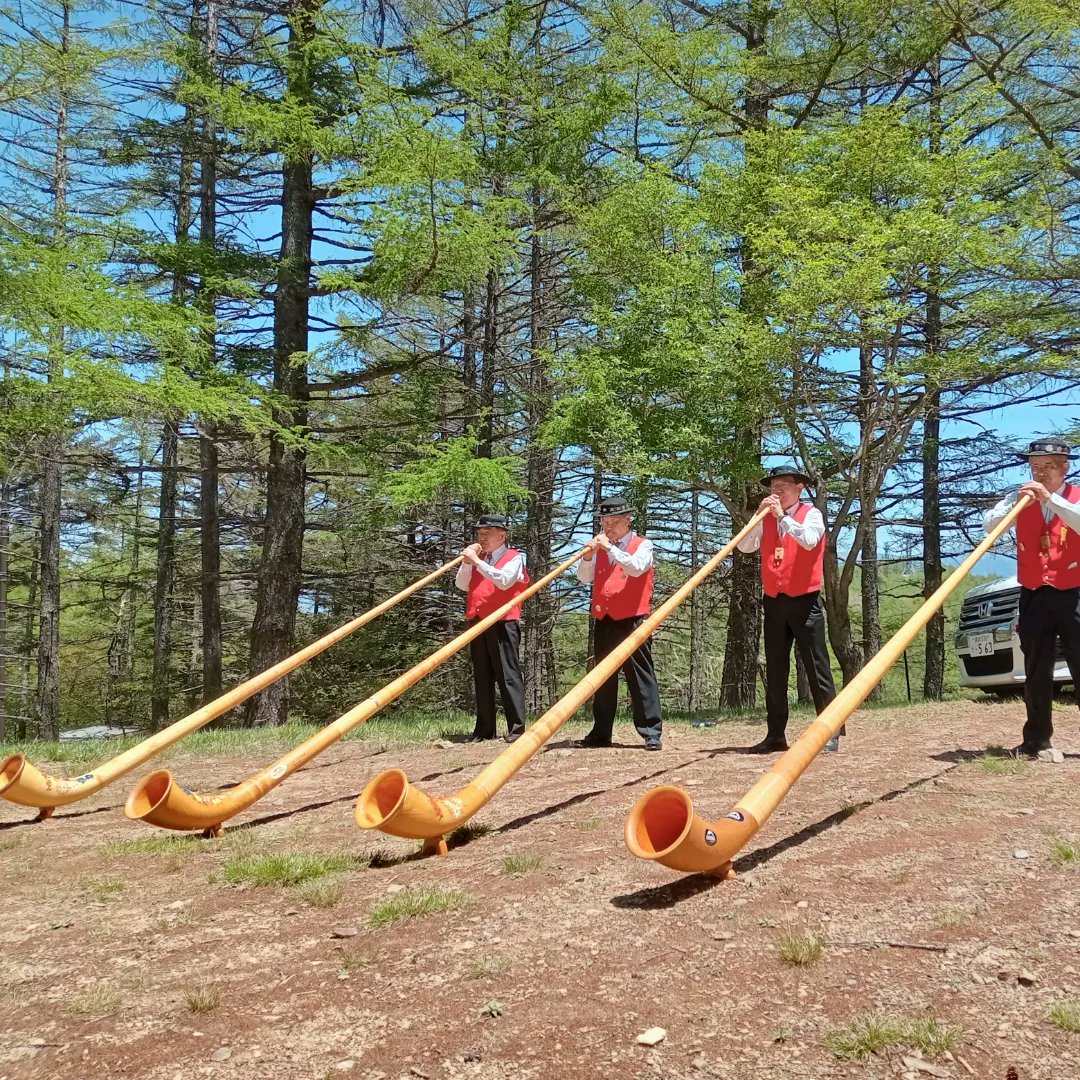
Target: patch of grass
x,y
487,965
802,950
354,959
932,1037
99,1000
77,755
1064,854
519,865
322,892
1065,1015
997,761
288,867
9,843
154,845
588,824
872,1033
413,903
395,727
102,889
953,916
202,999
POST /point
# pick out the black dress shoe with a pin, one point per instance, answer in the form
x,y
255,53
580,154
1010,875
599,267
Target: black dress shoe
x,y
513,736
768,746
653,744
479,738
592,742
1029,750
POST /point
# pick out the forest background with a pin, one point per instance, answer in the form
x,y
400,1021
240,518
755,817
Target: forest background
x,y
291,291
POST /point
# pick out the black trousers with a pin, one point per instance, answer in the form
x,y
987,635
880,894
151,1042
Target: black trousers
x,y
640,678
797,619
495,660
1045,615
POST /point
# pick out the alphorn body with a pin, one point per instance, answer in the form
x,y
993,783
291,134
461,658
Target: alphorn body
x,y
22,782
159,800
392,804
663,826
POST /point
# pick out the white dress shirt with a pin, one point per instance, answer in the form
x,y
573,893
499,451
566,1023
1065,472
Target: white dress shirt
x,y
502,577
635,565
1056,504
807,533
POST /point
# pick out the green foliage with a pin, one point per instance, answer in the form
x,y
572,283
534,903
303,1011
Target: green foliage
x,y
452,471
288,868
1065,854
1066,1016
800,950
414,903
873,1033
518,865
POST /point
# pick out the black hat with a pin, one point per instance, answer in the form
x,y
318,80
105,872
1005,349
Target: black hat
x,y
493,521
614,505
1046,448
783,470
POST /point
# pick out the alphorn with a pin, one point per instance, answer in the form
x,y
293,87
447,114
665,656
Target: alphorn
x,y
159,800
663,826
392,804
22,782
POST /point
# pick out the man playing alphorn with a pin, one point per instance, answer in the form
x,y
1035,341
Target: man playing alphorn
x,y
792,544
1048,568
490,575
619,566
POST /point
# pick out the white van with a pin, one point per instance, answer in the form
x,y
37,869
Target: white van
x,y
986,642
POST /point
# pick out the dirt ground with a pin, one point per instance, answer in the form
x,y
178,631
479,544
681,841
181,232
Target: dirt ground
x,y
900,853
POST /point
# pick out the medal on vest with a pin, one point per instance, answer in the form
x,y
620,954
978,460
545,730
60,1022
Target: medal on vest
x,y
1044,542
778,556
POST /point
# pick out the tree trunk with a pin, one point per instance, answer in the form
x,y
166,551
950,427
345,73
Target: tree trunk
x,y
869,586
28,649
209,522
740,678
738,686
540,471
488,365
210,570
934,671
164,577
47,698
121,655
838,614
282,552
698,627
869,480
5,536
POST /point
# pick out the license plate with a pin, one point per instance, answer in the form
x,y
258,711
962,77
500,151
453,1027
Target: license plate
x,y
980,644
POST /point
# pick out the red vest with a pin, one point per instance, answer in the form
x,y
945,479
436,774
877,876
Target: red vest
x,y
786,567
484,598
614,593
1047,552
